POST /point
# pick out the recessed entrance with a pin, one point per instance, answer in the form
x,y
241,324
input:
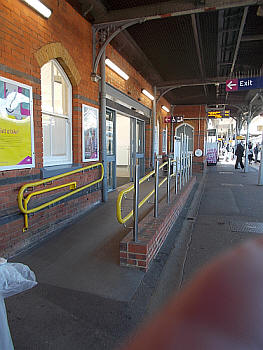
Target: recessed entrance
x,y
125,147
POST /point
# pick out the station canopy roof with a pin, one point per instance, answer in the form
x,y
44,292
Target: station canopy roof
x,y
190,47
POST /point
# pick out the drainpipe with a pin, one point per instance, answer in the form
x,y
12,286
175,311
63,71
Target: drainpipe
x,y
153,125
103,127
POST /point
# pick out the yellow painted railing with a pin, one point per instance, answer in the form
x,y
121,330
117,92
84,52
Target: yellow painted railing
x,y
23,201
122,220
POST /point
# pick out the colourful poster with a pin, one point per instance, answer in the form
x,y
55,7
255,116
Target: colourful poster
x,y
16,125
90,133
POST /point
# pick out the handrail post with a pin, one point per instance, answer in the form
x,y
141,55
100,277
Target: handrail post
x,y
176,175
188,167
156,188
136,203
191,169
180,172
168,180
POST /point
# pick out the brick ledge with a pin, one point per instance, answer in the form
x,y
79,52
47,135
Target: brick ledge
x,y
152,234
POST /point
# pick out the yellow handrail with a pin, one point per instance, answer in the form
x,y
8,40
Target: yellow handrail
x,y
71,185
130,188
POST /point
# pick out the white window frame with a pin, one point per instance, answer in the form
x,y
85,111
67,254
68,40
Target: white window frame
x,y
188,125
53,160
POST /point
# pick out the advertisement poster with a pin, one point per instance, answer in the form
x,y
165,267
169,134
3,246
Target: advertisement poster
x,y
211,153
90,133
16,125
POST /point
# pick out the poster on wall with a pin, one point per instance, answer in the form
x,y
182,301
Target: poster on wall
x,y
90,133
16,125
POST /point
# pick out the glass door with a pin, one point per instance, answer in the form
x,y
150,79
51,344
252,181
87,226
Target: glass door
x,y
137,138
111,148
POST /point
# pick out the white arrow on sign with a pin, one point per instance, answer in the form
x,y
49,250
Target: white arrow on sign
x,y
231,84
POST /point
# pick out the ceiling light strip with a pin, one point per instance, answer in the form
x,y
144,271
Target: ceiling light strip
x,y
146,93
39,7
116,69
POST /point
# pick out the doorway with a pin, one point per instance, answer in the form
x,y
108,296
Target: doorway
x,y
129,148
123,149
125,138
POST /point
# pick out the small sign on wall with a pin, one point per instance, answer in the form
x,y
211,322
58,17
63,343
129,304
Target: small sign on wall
x,y
90,133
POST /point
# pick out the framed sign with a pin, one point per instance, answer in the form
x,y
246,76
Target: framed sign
x,y
90,133
16,125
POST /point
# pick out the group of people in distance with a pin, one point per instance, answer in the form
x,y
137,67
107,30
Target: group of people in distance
x,y
240,153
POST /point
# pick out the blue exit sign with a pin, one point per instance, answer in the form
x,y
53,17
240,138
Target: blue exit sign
x,y
244,84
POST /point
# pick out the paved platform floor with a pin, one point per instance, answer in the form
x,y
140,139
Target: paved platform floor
x,y
86,301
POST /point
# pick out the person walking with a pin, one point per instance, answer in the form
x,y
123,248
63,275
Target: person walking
x,y
239,153
256,150
250,152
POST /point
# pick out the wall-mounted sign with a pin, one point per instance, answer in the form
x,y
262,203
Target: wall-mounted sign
x,y
244,84
198,152
16,125
90,133
174,119
218,113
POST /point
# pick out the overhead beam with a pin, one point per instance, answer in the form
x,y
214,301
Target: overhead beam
x,y
257,37
169,9
190,82
220,39
242,25
199,49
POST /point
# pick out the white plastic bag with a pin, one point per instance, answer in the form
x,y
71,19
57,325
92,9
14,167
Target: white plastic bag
x,y
15,278
5,337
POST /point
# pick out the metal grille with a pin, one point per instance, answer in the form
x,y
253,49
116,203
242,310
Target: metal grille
x,y
253,227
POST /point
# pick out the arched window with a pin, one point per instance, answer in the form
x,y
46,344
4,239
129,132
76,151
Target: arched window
x,y
56,93
187,130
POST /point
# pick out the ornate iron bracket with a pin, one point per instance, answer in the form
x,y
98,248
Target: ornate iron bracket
x,y
163,92
102,36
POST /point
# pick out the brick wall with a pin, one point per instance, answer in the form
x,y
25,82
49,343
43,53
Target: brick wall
x,y
27,41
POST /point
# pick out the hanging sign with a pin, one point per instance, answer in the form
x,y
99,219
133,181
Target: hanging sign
x,y
244,84
16,125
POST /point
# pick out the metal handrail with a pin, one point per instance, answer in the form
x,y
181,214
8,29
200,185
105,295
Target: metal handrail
x,y
23,201
144,200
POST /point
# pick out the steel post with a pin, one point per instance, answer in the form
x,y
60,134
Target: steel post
x,y
168,180
176,175
246,154
153,124
103,128
260,170
156,188
136,202
180,171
